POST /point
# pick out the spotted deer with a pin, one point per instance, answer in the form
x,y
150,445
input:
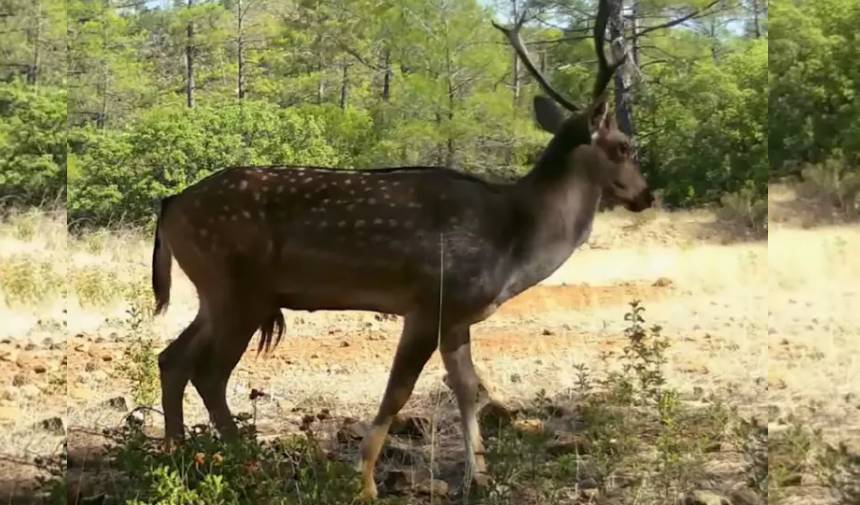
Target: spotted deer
x,y
441,248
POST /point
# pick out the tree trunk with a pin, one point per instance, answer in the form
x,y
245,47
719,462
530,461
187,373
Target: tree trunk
x,y
515,80
189,61
240,52
344,86
757,11
623,77
386,76
33,71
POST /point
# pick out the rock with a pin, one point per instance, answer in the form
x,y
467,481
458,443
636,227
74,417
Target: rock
x,y
662,282
19,380
351,431
745,497
30,391
415,427
528,426
568,443
704,497
547,332
10,355
397,482
795,479
39,369
400,453
432,487
117,403
52,425
494,415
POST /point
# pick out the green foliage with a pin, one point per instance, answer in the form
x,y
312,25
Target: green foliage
x,y
833,180
119,175
25,281
745,206
705,126
814,83
32,145
205,471
140,367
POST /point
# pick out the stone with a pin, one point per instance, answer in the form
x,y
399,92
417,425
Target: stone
x,y
117,403
494,415
351,431
52,425
529,426
432,487
662,282
705,497
415,427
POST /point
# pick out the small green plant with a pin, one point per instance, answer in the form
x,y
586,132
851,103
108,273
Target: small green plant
x,y
93,286
27,281
642,359
141,365
205,470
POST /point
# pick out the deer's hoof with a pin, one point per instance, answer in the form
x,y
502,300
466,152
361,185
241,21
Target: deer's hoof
x,y
368,494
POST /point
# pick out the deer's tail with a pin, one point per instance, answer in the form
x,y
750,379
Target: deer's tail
x,y
271,331
161,263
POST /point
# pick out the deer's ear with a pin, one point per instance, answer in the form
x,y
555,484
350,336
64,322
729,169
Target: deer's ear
x,y
598,116
548,115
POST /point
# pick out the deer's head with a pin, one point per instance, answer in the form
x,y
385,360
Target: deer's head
x,y
588,140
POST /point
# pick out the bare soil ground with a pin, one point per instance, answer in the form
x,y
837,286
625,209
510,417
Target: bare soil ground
x,y
770,327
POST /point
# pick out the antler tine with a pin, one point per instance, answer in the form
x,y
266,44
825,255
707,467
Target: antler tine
x,y
604,69
513,35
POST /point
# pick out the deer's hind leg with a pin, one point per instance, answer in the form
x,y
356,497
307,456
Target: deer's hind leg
x,y
456,352
228,337
174,376
416,345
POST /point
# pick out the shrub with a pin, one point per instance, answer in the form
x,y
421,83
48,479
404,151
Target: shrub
x,y
32,145
833,180
118,175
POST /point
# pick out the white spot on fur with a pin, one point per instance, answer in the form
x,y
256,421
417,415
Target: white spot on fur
x,y
371,201
246,214
359,223
377,221
341,224
243,185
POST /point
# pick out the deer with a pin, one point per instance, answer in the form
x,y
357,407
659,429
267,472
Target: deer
x,y
441,248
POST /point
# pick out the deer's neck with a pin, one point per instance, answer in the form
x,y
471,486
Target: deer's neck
x,y
563,212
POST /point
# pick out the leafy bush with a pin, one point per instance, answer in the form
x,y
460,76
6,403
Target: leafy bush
x,y
745,206
118,175
26,281
833,180
32,145
705,127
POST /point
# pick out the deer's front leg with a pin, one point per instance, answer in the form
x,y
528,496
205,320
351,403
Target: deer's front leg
x,y
416,346
457,356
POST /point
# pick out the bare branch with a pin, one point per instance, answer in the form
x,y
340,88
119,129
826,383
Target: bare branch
x,y
696,13
513,35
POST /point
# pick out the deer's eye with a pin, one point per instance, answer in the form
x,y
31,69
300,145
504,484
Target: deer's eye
x,y
624,149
